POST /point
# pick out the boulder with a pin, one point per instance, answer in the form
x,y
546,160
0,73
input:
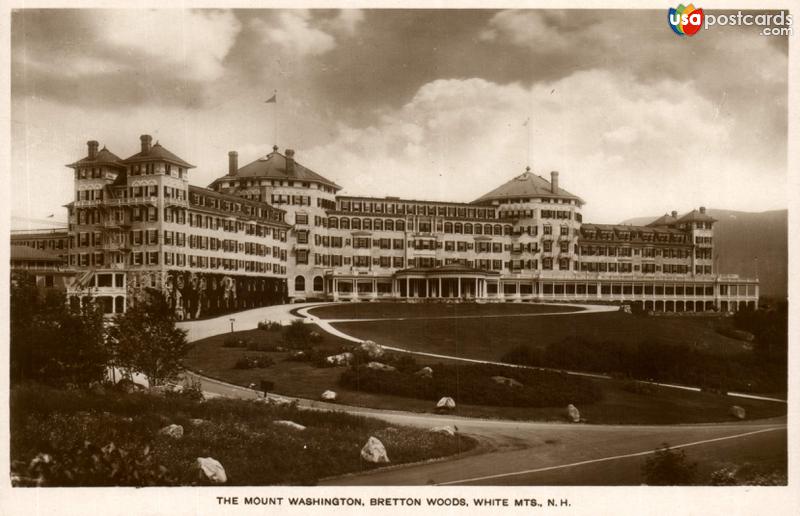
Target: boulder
x,y
289,424
379,366
573,414
372,349
212,470
174,431
328,396
374,451
342,359
502,380
737,412
447,430
446,403
425,372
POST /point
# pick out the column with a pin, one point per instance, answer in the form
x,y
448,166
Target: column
x,y
335,290
459,286
408,287
439,293
475,292
427,287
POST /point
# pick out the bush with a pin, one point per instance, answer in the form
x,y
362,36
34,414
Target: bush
x,y
270,326
251,362
297,335
669,468
473,384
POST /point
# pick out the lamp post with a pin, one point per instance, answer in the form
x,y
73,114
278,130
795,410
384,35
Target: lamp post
x,y
232,321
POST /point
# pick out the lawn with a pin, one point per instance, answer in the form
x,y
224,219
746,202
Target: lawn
x,y
617,406
240,434
427,310
491,337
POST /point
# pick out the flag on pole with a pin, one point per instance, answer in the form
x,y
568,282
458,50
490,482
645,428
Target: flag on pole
x,y
273,99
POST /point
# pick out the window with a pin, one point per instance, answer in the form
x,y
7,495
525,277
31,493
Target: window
x,y
302,256
318,284
301,218
300,283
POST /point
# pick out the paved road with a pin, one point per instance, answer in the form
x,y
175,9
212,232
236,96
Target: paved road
x,y
530,453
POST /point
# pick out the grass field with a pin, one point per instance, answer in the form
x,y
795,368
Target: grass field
x,y
491,337
663,406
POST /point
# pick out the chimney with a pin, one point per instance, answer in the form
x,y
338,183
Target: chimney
x,y
146,141
233,162
92,145
703,209
289,161
554,182
674,214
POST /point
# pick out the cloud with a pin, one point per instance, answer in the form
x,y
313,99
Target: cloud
x,y
627,148
294,33
193,44
99,58
534,29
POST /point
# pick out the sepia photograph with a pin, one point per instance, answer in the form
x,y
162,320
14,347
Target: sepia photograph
x,y
366,259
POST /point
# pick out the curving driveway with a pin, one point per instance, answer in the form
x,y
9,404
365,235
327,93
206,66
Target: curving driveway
x,y
528,453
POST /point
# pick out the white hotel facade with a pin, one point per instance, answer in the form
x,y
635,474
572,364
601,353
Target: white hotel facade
x,y
274,231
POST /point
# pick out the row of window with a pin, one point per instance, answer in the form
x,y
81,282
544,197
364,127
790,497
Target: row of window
x,y
590,233
645,252
411,208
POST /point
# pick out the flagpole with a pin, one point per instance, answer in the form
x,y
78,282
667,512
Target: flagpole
x,y
275,121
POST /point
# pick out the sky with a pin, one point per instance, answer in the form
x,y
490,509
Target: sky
x,y
421,104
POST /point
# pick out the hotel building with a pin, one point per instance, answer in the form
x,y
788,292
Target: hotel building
x,y
273,230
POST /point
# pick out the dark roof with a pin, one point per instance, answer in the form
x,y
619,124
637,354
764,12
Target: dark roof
x,y
697,216
664,220
158,152
273,166
103,157
526,185
23,252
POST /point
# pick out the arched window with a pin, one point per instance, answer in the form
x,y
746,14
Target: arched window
x,y
467,229
478,229
378,225
318,284
389,226
345,223
498,229
487,229
356,224
458,228
367,224
333,222
448,227
299,283
400,226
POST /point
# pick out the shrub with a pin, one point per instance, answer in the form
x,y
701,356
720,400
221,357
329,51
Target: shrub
x,y
270,326
251,362
669,468
89,465
297,335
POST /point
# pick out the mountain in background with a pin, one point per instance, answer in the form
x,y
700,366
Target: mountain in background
x,y
740,237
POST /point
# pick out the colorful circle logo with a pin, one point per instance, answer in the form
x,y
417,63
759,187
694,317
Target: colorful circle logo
x,y
686,20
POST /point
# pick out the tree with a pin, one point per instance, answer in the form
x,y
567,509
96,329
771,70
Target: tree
x,y
51,342
145,340
669,468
